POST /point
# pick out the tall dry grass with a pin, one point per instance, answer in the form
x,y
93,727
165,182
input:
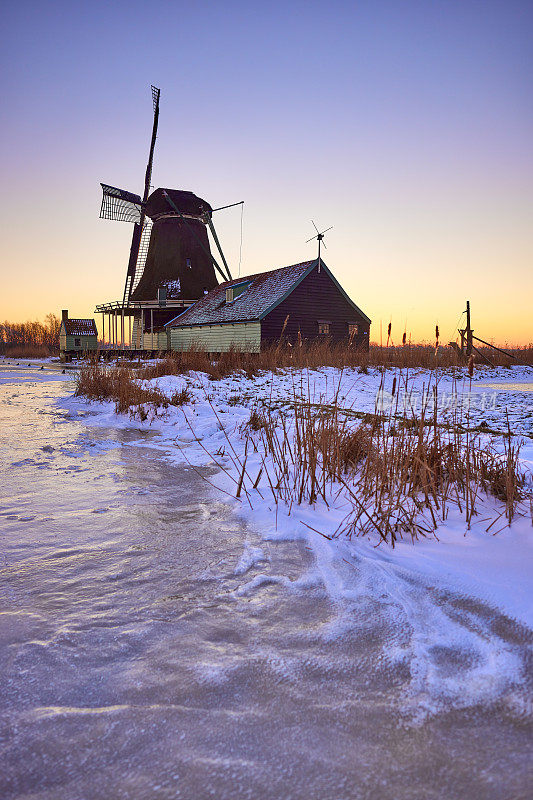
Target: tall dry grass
x,y
28,351
121,386
316,354
398,476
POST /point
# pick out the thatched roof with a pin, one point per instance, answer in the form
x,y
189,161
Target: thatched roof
x,y
187,203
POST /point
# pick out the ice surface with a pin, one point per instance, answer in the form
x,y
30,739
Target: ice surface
x,y
160,640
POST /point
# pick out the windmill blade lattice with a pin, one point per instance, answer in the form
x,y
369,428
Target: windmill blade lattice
x,y
141,255
120,205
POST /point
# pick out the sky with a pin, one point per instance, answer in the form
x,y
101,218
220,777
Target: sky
x,y
405,125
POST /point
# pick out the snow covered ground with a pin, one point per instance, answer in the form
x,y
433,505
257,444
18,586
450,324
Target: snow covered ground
x,y
207,432
162,638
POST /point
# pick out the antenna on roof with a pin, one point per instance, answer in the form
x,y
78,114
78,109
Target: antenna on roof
x,y
319,236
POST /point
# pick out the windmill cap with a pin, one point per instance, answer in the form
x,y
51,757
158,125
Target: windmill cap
x,y
186,202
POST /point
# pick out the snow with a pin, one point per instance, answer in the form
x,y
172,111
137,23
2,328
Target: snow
x,y
28,370
146,604
208,433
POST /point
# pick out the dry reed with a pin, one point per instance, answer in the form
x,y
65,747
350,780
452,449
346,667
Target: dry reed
x,y
397,479
122,386
397,474
316,354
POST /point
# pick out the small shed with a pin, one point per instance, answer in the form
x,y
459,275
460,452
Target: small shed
x,y
247,313
77,335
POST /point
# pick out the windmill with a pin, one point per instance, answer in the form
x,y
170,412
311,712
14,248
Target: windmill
x,y
169,246
319,237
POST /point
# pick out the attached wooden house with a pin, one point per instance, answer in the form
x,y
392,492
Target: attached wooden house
x,y
76,336
247,313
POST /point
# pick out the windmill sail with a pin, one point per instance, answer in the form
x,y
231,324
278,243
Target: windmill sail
x,y
169,246
141,256
120,205
138,230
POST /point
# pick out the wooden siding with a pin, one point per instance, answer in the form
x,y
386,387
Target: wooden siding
x,y
85,342
315,299
156,341
245,336
136,333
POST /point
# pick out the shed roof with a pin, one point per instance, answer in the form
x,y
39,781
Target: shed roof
x,y
264,292
80,327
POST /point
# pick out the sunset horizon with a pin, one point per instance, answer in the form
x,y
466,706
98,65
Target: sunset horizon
x,y
412,139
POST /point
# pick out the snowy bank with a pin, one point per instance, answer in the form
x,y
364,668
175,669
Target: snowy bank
x,y
208,432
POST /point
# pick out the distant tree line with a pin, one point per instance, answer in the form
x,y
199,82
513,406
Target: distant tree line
x,y
30,334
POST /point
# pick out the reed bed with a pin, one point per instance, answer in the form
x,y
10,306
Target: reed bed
x,y
121,385
313,355
395,479
394,473
27,351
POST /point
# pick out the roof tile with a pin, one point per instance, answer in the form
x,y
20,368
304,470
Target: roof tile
x,y
80,327
265,290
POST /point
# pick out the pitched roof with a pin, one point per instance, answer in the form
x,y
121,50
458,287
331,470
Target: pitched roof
x,y
80,327
265,290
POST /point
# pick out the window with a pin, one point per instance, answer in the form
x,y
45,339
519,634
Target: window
x,y
188,263
77,342
353,329
323,328
232,292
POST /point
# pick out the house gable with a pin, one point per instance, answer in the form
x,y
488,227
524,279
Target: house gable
x,y
315,306
323,268
298,299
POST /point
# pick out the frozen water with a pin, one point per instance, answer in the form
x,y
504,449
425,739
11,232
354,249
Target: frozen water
x,y
153,646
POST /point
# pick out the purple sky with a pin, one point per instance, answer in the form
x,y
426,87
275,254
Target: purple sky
x,y
406,125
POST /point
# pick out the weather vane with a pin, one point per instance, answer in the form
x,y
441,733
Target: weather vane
x,y
319,237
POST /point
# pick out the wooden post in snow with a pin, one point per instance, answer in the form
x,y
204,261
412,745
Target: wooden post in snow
x,y
469,331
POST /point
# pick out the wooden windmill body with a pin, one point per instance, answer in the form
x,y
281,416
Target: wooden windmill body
x,y
170,262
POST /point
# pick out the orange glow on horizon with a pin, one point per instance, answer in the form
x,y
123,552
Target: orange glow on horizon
x,y
418,152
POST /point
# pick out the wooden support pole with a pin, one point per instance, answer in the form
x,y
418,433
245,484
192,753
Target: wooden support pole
x,y
469,342
482,356
493,346
151,329
207,219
